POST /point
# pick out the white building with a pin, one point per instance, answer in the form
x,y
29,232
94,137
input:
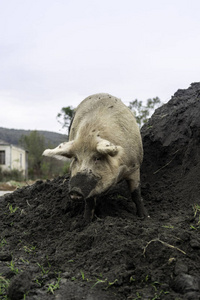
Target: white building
x,y
13,157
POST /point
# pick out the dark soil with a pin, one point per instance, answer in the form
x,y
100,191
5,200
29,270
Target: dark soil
x,y
47,252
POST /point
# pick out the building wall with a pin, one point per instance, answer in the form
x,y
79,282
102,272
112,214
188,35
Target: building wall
x,y
15,158
18,158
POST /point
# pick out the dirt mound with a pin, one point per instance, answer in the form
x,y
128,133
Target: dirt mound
x,y
171,142
47,252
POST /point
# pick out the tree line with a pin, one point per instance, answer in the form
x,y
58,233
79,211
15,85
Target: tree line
x,y
38,165
141,111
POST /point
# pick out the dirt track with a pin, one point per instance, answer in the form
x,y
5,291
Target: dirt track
x,y
48,253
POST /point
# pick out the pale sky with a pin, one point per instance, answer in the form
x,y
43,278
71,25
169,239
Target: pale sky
x,y
55,53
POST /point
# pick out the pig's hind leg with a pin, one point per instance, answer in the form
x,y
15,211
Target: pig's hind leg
x,y
134,186
137,199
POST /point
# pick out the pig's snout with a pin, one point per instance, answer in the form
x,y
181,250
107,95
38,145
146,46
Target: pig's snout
x,y
76,193
81,185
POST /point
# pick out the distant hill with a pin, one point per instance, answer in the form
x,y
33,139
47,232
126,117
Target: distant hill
x,y
13,136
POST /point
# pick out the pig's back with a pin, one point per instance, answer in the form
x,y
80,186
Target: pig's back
x,y
112,118
103,108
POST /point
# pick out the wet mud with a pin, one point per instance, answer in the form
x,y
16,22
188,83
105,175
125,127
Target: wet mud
x,y
48,252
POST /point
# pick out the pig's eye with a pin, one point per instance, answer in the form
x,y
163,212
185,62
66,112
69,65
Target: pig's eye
x,y
75,159
97,159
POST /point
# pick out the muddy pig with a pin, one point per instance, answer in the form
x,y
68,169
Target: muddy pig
x,y
105,147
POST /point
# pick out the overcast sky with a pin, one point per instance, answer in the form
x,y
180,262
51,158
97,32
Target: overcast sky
x,y
55,53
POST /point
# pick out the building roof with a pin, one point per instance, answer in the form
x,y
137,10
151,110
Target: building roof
x,y
3,143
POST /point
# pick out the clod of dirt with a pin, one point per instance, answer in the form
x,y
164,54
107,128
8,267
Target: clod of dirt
x,y
19,286
180,268
117,256
185,283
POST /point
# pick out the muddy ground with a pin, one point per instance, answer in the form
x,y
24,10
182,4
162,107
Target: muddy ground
x,y
47,252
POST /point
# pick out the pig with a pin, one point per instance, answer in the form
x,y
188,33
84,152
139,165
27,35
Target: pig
x,y
105,147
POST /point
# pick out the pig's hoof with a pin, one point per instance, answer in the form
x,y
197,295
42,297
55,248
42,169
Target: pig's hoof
x,y
88,218
144,215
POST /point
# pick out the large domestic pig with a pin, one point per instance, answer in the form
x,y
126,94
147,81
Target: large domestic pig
x,y
105,147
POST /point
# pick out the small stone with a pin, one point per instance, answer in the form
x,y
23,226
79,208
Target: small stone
x,y
195,244
5,256
192,296
180,268
164,216
185,236
66,274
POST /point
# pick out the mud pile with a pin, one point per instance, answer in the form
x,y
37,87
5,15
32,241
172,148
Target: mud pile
x,y
47,252
171,140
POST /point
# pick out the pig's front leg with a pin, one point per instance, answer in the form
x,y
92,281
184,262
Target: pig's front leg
x,y
137,199
90,204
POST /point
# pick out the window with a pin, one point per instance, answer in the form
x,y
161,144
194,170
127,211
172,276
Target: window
x,y
2,157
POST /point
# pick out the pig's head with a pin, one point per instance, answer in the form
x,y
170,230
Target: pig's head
x,y
96,165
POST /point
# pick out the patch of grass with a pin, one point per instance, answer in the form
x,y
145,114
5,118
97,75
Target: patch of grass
x,y
4,283
44,272
132,279
17,184
12,209
196,210
53,287
12,267
99,281
82,275
111,283
108,283
25,261
137,296
38,281
3,243
158,292
10,175
29,249
73,278
168,226
193,227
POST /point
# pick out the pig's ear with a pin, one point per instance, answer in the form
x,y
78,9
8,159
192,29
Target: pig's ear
x,y
105,147
62,152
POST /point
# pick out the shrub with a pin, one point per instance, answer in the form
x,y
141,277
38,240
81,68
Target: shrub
x,y
14,174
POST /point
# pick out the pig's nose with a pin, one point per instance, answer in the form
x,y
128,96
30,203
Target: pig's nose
x,y
76,193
